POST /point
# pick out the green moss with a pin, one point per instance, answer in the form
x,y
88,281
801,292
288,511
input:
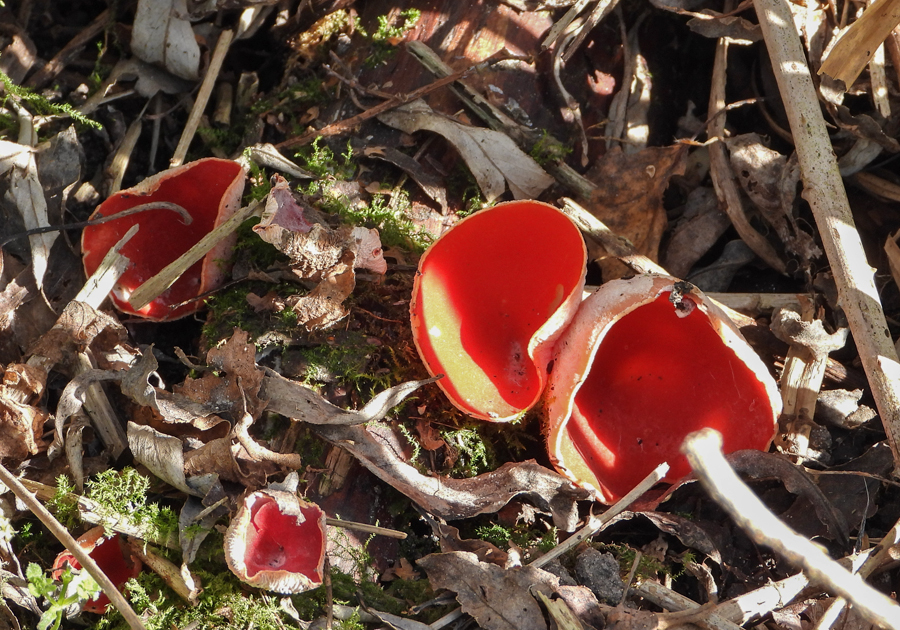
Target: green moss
x,y
548,149
225,602
320,160
523,536
311,447
648,568
258,252
224,139
387,214
387,33
63,504
474,454
40,104
125,494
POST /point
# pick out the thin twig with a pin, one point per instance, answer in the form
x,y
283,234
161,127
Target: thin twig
x,y
596,524
704,452
63,536
186,218
363,527
342,126
203,94
824,190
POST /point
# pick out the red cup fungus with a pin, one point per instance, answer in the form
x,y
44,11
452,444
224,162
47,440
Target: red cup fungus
x,y
111,554
210,190
277,542
490,298
645,362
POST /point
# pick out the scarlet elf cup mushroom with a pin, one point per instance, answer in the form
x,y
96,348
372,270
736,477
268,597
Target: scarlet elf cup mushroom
x,y
210,191
491,296
277,542
112,556
645,362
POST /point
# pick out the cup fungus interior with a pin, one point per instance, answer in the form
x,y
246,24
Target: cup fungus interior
x,y
110,555
199,188
277,542
483,291
656,377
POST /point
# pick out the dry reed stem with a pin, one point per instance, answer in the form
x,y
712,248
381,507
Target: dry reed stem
x,y
824,190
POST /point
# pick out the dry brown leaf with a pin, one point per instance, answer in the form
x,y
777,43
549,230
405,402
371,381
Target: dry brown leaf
x,y
450,540
893,254
432,185
380,450
323,306
163,35
492,157
770,180
21,421
163,455
759,465
699,228
736,29
629,197
498,599
227,460
402,571
282,215
76,328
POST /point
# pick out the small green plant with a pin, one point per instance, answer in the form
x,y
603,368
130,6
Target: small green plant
x,y
523,536
387,30
387,34
41,104
74,587
95,80
417,448
259,181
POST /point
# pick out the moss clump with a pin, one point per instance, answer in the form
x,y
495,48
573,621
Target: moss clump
x,y
63,504
125,494
223,603
387,213
548,149
320,160
648,568
523,536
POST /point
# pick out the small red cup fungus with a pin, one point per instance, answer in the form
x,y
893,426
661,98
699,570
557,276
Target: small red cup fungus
x,y
277,542
210,190
111,554
491,296
645,362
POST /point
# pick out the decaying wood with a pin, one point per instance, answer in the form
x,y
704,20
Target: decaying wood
x,y
825,192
